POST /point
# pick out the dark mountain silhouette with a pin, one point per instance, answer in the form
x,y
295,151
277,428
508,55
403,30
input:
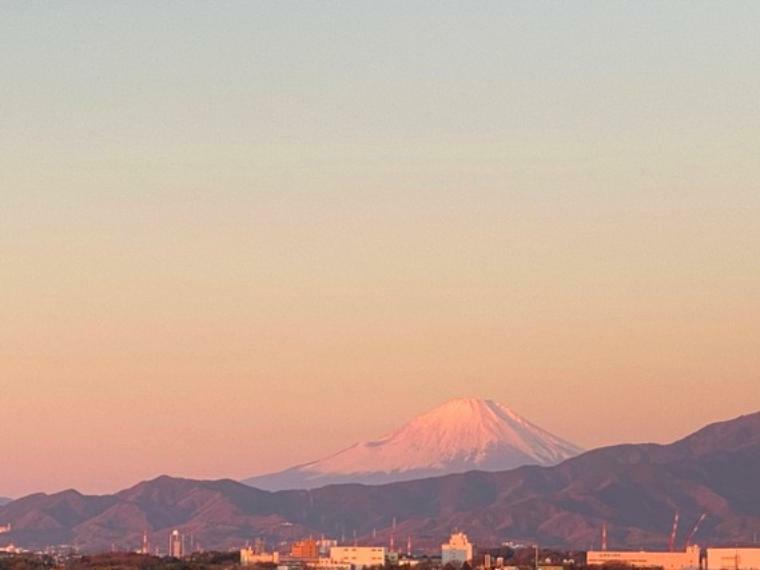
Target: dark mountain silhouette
x,y
4,501
635,489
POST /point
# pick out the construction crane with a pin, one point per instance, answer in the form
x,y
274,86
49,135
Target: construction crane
x,y
695,529
673,532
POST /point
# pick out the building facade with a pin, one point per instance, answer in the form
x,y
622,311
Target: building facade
x,y
358,556
305,549
457,551
324,545
686,560
733,559
252,556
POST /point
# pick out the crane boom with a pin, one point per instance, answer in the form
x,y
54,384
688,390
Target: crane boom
x,y
673,532
695,528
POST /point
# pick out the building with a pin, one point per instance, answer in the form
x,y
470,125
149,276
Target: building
x,y
145,546
327,564
252,556
305,549
686,560
457,551
324,545
291,565
358,556
176,544
733,559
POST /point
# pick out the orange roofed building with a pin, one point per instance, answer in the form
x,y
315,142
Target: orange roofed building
x,y
307,549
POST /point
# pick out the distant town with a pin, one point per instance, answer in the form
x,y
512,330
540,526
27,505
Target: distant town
x,y
458,553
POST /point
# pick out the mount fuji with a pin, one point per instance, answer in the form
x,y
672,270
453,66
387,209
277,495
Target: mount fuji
x,y
461,435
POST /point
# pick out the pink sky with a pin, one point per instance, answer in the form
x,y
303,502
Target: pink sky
x,y
239,239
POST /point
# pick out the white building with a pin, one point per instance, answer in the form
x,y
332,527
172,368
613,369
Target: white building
x,y
176,544
686,560
358,556
324,545
251,557
733,559
11,549
457,551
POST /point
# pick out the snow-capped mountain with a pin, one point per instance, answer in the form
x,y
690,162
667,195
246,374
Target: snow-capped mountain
x,y
461,435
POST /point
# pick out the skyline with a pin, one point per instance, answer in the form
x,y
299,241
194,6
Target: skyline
x,y
238,238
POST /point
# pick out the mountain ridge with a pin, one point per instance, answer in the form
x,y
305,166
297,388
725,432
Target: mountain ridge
x,y
633,488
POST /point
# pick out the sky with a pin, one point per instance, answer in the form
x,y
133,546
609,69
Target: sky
x,y
236,236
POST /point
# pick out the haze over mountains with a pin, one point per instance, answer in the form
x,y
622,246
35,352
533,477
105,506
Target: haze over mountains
x,y
635,489
459,436
5,500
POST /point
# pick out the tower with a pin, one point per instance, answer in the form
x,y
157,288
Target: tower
x,y
176,546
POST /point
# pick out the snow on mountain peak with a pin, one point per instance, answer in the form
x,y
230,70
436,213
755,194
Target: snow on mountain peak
x,y
460,435
465,431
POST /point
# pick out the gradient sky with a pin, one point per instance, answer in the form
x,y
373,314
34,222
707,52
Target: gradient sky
x,y
239,235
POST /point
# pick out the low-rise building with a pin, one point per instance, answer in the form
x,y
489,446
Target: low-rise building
x,y
457,551
324,545
307,549
733,559
358,556
251,557
686,560
328,564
